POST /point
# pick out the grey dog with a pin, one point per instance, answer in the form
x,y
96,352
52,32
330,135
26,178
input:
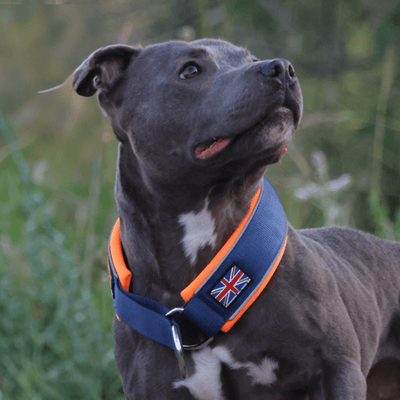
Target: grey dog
x,y
197,124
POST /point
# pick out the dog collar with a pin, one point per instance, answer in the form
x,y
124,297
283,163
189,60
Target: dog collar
x,y
223,291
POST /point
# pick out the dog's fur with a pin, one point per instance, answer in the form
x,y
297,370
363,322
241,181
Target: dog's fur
x,y
331,310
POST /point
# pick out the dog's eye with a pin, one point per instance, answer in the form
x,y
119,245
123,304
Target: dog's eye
x,y
189,72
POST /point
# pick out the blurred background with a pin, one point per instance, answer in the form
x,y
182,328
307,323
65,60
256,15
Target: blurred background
x,y
58,155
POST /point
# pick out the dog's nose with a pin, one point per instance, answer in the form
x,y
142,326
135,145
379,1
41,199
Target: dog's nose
x,y
278,68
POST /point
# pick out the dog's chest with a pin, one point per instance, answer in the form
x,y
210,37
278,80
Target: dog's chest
x,y
216,369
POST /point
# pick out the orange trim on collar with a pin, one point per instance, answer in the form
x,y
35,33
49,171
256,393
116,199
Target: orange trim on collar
x,y
124,274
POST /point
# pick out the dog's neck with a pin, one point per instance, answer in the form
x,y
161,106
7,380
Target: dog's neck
x,y
170,233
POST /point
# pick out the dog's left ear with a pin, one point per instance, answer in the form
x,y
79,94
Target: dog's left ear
x,y
102,68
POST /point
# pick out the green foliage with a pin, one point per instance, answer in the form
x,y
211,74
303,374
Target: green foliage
x,y
51,338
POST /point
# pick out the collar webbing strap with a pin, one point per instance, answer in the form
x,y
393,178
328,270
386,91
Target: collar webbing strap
x,y
143,314
224,290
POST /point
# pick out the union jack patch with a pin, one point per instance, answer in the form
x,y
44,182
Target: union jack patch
x,y
229,287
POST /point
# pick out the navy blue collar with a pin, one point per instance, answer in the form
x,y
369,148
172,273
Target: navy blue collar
x,y
222,292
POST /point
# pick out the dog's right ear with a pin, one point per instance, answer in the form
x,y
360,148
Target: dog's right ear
x,y
102,68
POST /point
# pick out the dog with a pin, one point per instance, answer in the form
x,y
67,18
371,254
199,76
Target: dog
x,y
197,124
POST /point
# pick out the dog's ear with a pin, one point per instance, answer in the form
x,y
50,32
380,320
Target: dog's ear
x,y
102,68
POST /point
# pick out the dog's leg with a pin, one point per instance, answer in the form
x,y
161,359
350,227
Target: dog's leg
x,y
343,382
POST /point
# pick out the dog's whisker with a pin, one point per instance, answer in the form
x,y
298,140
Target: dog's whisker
x,y
56,87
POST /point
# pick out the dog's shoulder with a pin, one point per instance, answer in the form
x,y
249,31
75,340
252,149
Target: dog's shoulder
x,y
340,248
348,241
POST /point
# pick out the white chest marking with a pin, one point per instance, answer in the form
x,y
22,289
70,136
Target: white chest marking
x,y
205,383
199,231
263,373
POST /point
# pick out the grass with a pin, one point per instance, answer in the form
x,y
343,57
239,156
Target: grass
x,y
55,329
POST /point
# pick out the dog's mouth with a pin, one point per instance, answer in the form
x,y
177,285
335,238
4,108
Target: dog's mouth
x,y
211,147
214,146
283,112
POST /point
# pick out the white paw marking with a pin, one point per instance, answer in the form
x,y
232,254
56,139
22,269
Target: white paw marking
x,y
205,383
199,231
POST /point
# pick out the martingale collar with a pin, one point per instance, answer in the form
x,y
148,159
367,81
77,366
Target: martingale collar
x,y
226,287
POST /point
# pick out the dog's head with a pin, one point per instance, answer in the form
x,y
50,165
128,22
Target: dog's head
x,y
194,107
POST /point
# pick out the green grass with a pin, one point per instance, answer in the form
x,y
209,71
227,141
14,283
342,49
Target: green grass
x,y
55,322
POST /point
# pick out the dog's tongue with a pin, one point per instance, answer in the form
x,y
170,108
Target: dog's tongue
x,y
205,152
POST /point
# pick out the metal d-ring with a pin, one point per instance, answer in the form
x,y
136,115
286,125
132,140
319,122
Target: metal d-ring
x,y
179,346
189,347
175,310
179,351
